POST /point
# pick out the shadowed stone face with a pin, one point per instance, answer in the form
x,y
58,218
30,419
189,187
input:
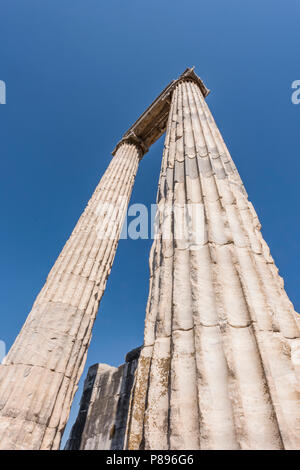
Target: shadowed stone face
x,y
102,417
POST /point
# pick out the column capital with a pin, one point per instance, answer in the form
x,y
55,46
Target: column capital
x,y
132,138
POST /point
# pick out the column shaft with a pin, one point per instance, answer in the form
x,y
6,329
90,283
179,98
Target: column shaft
x,y
221,349
41,371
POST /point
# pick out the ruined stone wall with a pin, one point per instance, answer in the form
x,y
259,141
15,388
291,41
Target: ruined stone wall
x,y
101,421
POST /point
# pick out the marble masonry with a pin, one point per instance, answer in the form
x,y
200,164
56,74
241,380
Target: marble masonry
x,y
220,363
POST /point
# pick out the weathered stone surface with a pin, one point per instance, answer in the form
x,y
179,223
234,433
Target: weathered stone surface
x,y
57,333
220,366
101,421
39,376
220,363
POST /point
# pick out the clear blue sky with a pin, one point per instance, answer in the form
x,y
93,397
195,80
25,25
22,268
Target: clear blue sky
x,y
78,74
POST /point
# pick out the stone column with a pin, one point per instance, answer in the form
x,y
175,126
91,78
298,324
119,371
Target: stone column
x,y
221,348
41,371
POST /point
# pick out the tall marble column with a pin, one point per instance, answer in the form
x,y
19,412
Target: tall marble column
x,y
221,357
40,375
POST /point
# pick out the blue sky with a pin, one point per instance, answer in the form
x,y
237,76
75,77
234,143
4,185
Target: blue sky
x,y
78,73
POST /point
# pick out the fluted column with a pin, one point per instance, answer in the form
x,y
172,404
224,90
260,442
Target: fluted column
x,y
43,367
221,349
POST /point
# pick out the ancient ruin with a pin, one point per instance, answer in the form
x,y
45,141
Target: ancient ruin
x,y
102,417
220,363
